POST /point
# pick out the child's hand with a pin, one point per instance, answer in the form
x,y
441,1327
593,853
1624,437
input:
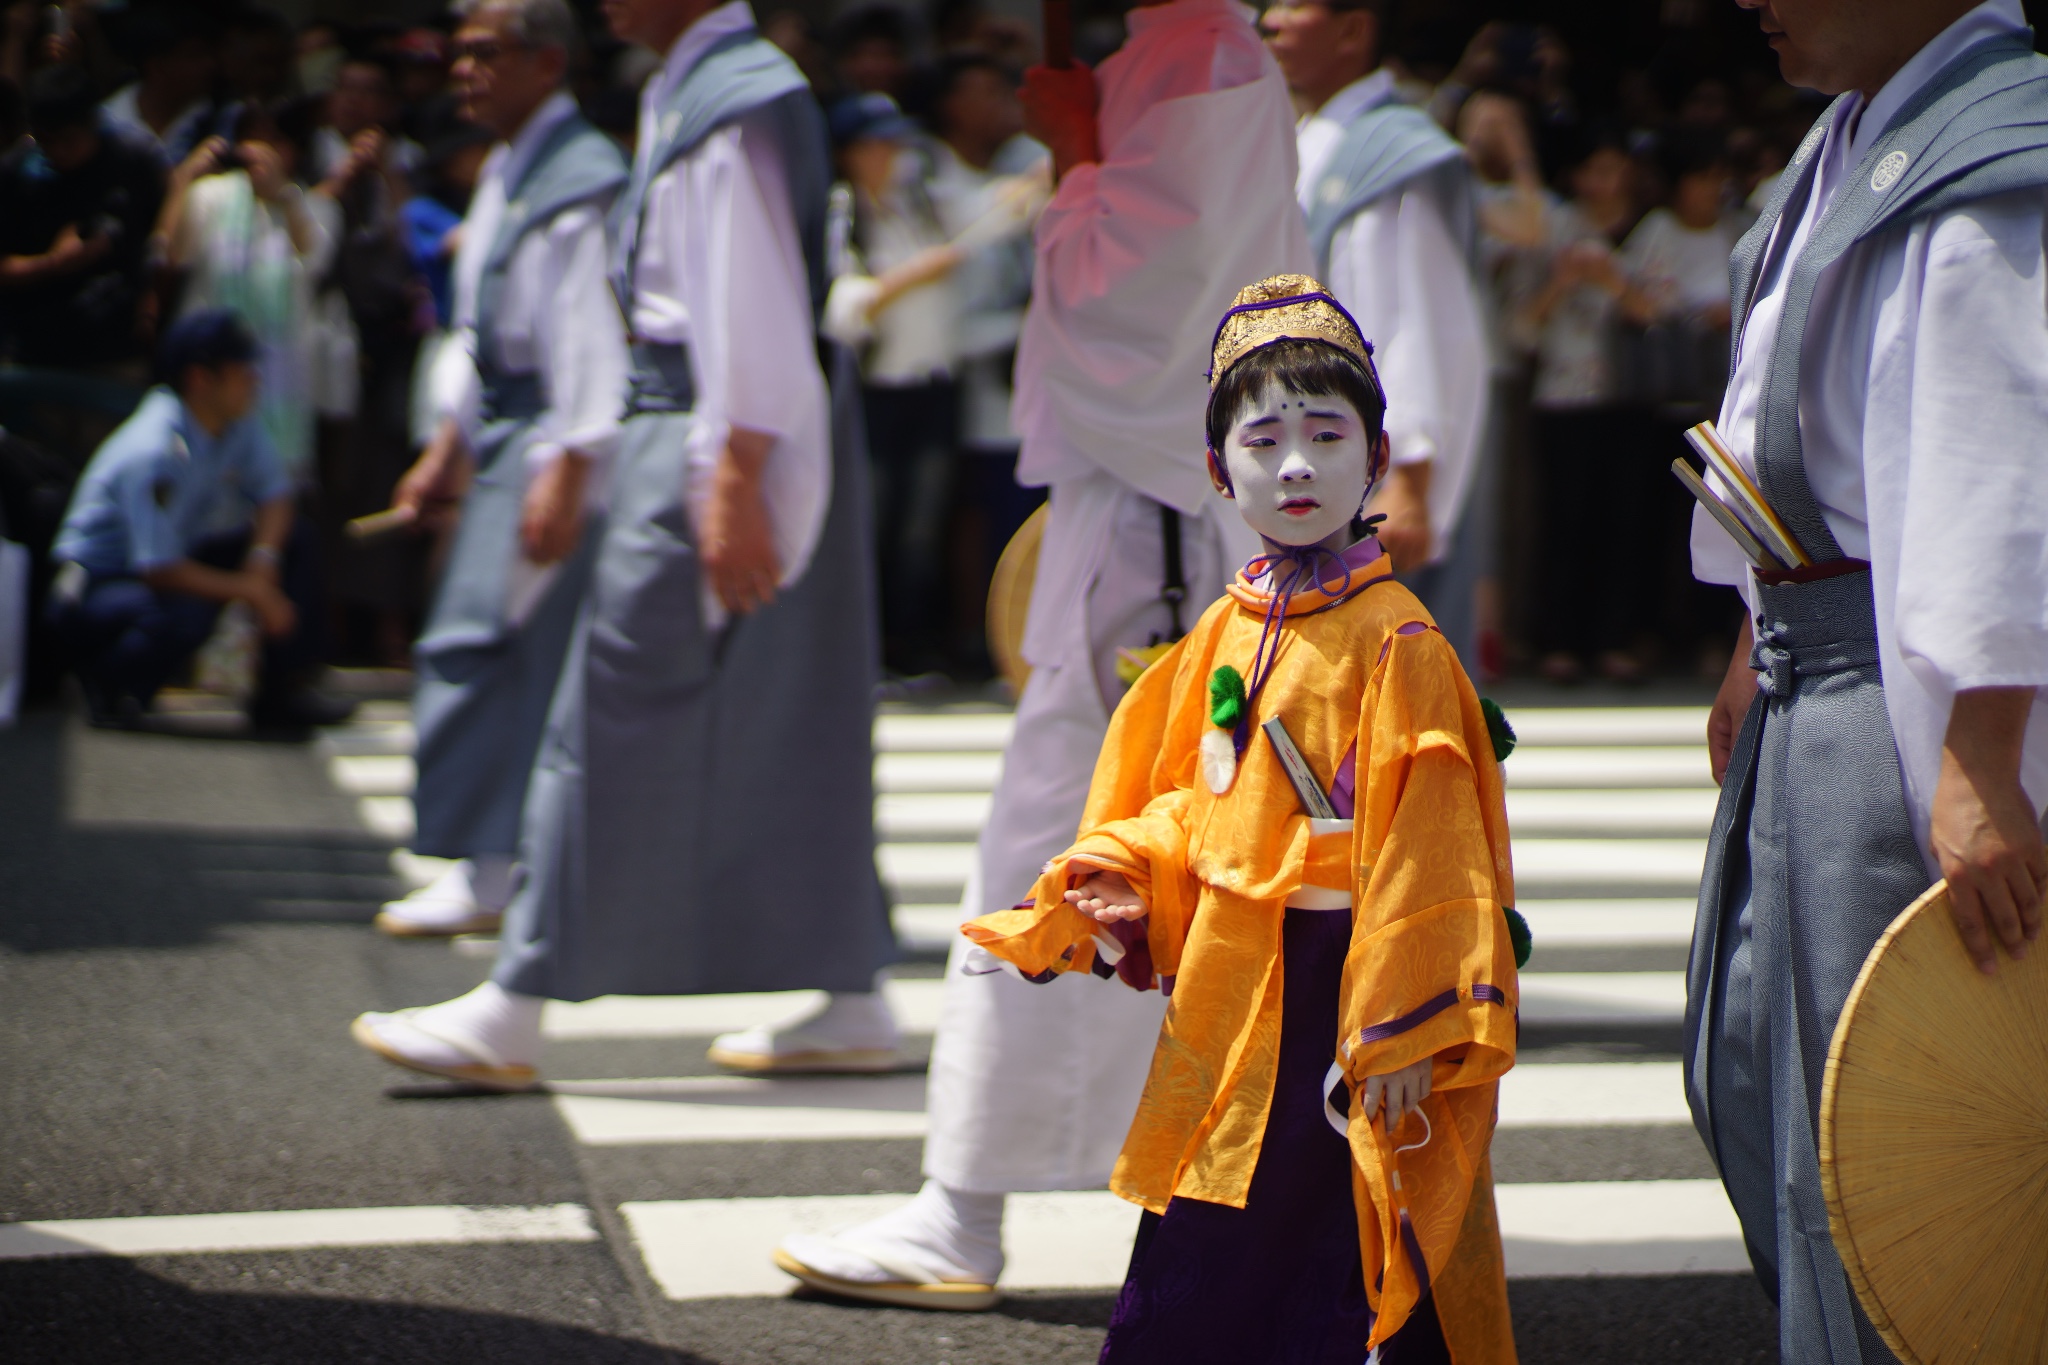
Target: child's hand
x,y
1400,1091
1108,897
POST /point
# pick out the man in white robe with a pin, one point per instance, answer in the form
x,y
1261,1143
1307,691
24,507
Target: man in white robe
x,y
700,817
1394,246
1175,190
556,346
1889,392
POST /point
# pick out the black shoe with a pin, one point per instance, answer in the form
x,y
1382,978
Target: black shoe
x,y
106,709
303,709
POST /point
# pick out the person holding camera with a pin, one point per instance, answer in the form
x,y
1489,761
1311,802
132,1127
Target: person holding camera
x,y
243,235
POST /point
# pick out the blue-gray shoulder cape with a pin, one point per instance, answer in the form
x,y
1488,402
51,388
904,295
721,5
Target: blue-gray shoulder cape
x,y
740,76
1382,150
1979,130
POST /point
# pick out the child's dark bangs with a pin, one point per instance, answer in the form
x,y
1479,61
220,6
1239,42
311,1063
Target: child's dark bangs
x,y
1300,368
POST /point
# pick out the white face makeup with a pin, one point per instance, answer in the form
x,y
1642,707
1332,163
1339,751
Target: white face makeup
x,y
1299,466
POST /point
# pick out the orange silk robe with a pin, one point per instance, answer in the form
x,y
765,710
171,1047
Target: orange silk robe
x,y
1428,869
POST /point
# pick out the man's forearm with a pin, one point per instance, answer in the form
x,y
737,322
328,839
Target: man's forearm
x,y
1986,731
273,526
747,451
193,579
1413,479
15,270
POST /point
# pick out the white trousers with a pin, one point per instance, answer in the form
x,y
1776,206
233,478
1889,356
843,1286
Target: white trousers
x,y
1033,1087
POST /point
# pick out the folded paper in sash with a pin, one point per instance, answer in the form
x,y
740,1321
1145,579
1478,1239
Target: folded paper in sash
x,y
1745,514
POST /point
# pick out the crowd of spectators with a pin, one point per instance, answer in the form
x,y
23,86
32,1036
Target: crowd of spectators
x,y
161,158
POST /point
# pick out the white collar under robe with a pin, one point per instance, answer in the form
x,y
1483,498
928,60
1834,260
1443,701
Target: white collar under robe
x,y
1924,408
1138,256
1397,267
555,314
721,269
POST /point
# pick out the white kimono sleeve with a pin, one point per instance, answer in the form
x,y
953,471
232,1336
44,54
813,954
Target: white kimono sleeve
x,y
1396,266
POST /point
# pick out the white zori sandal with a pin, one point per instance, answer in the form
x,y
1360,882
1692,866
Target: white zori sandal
x,y
401,1039
912,1287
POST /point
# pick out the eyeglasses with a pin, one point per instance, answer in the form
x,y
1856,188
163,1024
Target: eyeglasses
x,y
482,49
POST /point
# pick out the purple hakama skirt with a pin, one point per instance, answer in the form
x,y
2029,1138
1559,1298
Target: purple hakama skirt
x,y
1279,1281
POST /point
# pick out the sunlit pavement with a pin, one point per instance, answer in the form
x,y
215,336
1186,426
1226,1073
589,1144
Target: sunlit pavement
x,y
199,1165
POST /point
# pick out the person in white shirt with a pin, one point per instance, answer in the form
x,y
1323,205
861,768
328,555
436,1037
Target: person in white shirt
x,y
1388,197
1881,722
701,815
983,162
246,236
1175,172
527,403
909,343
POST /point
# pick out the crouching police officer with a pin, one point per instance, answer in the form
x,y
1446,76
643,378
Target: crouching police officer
x,y
184,509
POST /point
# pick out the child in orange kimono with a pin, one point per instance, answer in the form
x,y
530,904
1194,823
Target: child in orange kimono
x,y
1311,1149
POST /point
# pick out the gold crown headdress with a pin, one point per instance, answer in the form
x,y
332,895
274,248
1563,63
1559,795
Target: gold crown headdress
x,y
1288,308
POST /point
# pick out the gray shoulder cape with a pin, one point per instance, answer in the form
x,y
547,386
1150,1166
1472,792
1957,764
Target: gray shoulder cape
x,y
1979,129
576,164
741,75
1382,150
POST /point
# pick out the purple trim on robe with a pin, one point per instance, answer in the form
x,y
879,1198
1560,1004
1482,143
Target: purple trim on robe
x,y
1415,1256
1428,1010
1135,966
1415,1018
1405,628
1360,554
1344,791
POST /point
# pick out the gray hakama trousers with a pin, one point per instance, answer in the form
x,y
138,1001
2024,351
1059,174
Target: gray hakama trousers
x,y
701,815
1811,857
480,702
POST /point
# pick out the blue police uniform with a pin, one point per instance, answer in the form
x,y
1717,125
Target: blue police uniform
x,y
157,491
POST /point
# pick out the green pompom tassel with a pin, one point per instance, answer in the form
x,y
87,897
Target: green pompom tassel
x,y
1497,727
1226,697
1519,935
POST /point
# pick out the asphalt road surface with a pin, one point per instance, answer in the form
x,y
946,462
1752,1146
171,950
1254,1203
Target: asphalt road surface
x,y
184,937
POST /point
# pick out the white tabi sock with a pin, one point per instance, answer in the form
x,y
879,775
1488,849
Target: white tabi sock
x,y
489,1024
854,1019
493,877
848,1021
943,1235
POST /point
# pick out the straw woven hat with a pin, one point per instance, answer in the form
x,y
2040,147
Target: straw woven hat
x,y
1934,1145
1009,600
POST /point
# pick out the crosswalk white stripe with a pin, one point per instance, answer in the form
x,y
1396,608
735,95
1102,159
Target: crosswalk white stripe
x,y
1672,864
392,817
931,815
1544,726
1613,800
937,772
915,1002
688,1109
1603,997
1564,812
1624,861
901,731
373,774
1547,997
719,1248
1608,767
1554,812
295,1230
1609,923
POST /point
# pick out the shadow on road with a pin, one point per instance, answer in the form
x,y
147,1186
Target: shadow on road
x,y
62,1312
154,841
